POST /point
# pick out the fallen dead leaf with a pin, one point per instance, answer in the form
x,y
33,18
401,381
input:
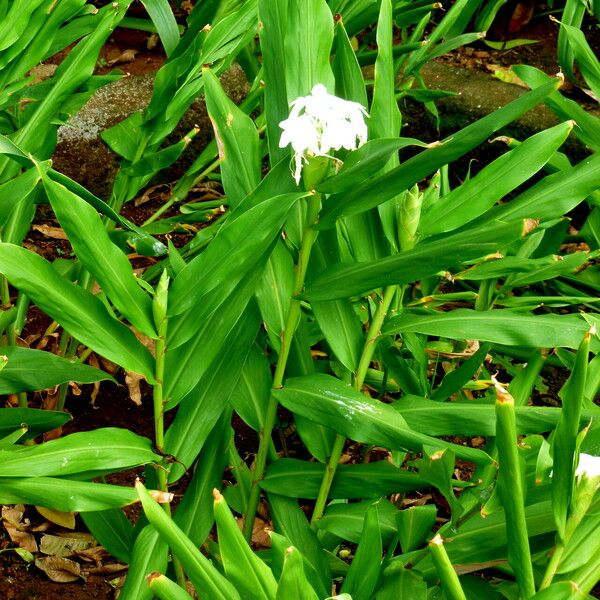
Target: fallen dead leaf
x,y
64,519
59,569
132,381
106,569
56,233
125,57
55,545
93,554
17,528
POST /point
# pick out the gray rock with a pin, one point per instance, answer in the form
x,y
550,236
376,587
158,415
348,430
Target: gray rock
x,y
82,155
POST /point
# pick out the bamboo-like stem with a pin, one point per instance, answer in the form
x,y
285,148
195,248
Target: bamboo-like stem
x,y
359,378
512,494
287,335
445,570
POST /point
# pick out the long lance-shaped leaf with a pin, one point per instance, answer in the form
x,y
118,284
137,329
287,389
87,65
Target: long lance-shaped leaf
x,y
365,569
293,584
162,16
463,418
150,553
326,400
215,273
507,327
379,189
565,438
27,370
34,419
552,197
423,261
50,492
100,256
206,579
308,42
302,479
273,17
492,183
237,140
78,311
105,449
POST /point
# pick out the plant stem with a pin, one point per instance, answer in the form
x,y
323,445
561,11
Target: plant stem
x,y
359,378
293,317
512,494
158,401
445,570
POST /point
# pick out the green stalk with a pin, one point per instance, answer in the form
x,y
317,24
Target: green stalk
x,y
510,484
359,378
445,570
293,317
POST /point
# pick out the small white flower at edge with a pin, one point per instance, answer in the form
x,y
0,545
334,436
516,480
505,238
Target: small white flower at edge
x,y
319,123
589,466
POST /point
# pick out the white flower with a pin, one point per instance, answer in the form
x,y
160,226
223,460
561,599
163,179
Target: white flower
x,y
589,466
320,123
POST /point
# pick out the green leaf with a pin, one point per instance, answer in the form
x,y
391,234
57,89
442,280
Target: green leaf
x,y
28,370
308,41
291,521
251,576
585,57
349,82
233,253
564,443
100,256
473,419
162,16
346,521
424,260
237,140
202,407
495,181
293,584
377,190
150,553
302,479
203,575
195,511
82,314
34,419
400,583
105,449
498,326
324,399
112,529
166,589
273,17
51,492
365,569
414,525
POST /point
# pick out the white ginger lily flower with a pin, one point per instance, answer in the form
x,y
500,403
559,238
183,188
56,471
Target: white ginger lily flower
x,y
320,123
589,466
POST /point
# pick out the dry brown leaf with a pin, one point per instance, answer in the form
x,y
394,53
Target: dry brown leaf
x,y
64,519
93,554
61,570
106,569
132,381
17,528
56,545
125,57
56,233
